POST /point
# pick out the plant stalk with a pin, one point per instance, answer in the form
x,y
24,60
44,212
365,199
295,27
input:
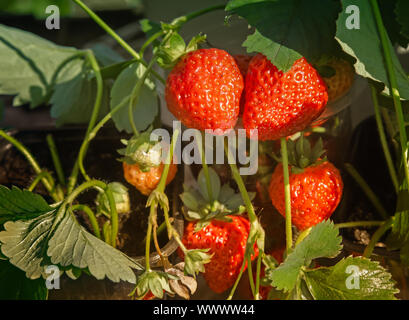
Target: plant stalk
x,y
108,29
376,236
199,139
91,217
287,196
394,86
48,184
56,159
384,143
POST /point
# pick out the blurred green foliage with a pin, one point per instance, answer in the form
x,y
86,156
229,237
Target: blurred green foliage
x,y
67,7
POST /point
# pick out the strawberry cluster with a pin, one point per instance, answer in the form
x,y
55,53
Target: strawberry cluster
x,y
210,89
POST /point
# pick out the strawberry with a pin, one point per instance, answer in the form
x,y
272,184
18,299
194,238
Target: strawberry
x,y
242,61
142,166
149,296
340,82
316,186
227,243
203,90
146,182
280,104
216,225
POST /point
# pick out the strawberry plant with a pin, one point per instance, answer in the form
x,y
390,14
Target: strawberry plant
x,y
302,56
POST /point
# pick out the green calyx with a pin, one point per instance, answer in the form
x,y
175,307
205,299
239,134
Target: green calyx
x,y
175,47
301,155
142,151
156,282
199,207
195,259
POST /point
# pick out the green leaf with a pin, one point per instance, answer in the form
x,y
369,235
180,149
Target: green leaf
x,y
189,200
72,245
73,100
402,9
282,57
399,232
365,280
364,44
398,239
386,101
50,239
150,27
391,14
14,284
289,29
214,184
112,71
105,55
16,204
145,105
226,193
28,64
24,242
322,241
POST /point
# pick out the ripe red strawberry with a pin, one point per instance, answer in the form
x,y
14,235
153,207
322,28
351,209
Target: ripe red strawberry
x,y
203,90
339,83
146,182
315,193
280,104
227,241
242,61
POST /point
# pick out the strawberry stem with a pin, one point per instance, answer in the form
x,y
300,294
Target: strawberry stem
x,y
178,22
79,166
112,206
302,236
240,184
38,178
108,29
149,41
287,196
382,137
258,270
376,236
48,183
56,159
354,224
250,272
148,238
367,190
233,290
394,87
91,135
199,139
91,217
154,205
